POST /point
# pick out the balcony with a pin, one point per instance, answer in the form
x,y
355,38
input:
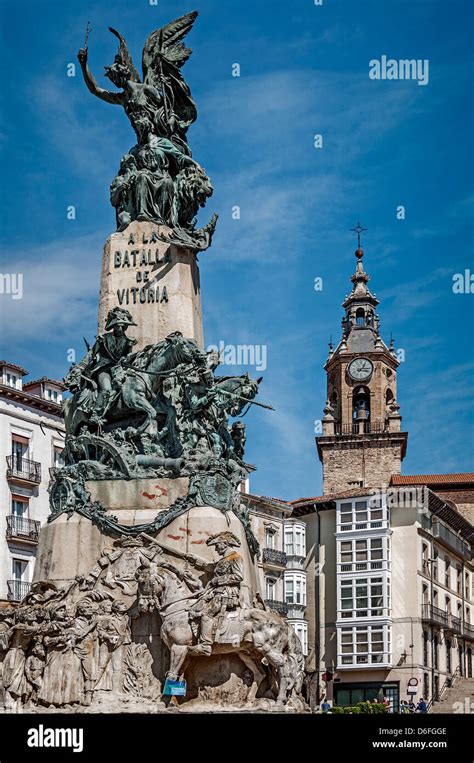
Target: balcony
x,y
17,589
452,541
435,615
295,610
468,631
23,470
23,529
277,606
361,427
274,558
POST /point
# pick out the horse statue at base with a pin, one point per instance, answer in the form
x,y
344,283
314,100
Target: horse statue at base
x,y
259,637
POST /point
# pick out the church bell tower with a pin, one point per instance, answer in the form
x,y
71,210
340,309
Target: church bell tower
x,y
362,444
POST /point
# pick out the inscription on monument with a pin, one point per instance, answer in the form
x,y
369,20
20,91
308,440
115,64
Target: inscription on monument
x,y
149,292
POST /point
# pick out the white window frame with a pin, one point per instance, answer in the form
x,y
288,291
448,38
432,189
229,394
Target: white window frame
x,y
377,606
270,582
25,575
376,548
294,534
357,636
295,588
300,627
362,514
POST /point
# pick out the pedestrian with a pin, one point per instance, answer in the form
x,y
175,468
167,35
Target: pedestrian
x,y
325,706
422,707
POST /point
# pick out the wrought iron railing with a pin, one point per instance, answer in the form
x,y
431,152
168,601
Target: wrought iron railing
x,y
448,684
23,468
17,589
278,606
360,427
468,630
274,557
435,615
22,528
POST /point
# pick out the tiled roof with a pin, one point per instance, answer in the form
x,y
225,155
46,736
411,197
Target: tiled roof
x,y
354,493
42,380
18,368
433,479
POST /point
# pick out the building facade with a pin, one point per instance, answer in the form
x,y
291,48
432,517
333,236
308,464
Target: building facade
x,y
281,565
389,570
31,442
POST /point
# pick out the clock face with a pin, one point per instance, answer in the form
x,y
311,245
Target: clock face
x,y
360,368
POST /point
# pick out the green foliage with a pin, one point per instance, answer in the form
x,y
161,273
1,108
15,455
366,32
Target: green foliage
x,y
361,707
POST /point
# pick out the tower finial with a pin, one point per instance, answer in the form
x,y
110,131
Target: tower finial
x,y
358,229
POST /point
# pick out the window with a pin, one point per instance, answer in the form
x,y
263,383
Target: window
x,y
19,450
435,565
52,394
424,559
11,380
301,630
426,685
295,539
447,572
466,586
468,616
458,581
363,597
425,650
350,694
447,605
364,554
58,459
361,514
295,588
19,507
436,652
19,570
364,645
270,588
360,317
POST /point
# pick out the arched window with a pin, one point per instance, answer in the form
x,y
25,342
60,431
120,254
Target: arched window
x,y
361,403
360,317
334,400
388,397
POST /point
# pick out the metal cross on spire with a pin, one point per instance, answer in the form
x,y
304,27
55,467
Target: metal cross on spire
x,y
358,229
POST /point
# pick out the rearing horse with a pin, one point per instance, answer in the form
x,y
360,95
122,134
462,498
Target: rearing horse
x,y
264,636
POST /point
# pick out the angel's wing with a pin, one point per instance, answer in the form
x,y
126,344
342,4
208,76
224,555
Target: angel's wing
x,y
165,43
125,57
163,56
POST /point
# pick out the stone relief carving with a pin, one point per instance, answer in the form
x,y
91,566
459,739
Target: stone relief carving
x,y
69,647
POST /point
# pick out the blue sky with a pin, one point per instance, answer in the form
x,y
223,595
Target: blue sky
x,y
304,70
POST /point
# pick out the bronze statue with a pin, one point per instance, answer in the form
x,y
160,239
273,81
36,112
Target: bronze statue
x,y
158,180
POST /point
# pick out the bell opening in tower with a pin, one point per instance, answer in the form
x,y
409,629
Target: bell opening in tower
x,y
361,404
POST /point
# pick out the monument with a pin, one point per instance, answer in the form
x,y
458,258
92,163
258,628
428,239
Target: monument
x,y
145,595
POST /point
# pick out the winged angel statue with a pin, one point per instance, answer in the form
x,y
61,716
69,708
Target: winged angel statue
x,y
158,179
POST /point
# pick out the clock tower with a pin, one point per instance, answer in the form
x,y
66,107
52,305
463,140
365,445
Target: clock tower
x,y
362,444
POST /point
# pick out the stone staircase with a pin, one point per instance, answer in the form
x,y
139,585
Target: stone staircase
x,y
457,699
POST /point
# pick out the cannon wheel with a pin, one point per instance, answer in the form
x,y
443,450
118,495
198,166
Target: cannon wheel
x,y
95,448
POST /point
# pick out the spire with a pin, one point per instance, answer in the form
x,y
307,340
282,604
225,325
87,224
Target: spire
x,y
360,324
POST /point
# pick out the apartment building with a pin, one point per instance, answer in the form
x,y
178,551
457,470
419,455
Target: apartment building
x,y
31,442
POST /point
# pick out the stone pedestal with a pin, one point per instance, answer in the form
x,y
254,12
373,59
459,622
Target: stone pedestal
x,y
70,547
157,282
